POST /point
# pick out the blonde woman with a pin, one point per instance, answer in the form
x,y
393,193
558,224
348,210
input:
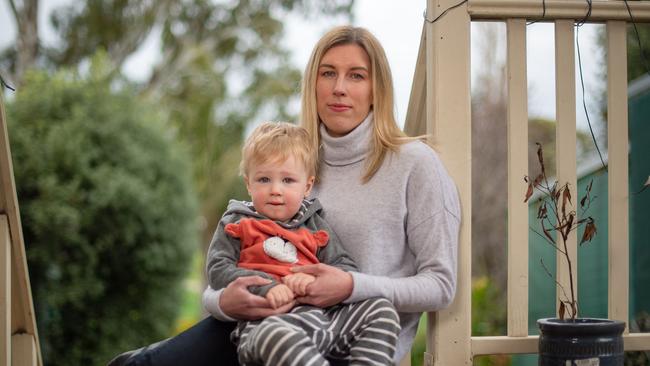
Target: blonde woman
x,y
387,196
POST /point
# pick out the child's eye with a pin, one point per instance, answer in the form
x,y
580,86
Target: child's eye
x,y
263,179
288,180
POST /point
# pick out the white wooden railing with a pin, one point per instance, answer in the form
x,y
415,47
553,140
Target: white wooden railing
x,y
19,344
440,106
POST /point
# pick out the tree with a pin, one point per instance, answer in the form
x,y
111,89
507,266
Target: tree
x,y
222,66
108,215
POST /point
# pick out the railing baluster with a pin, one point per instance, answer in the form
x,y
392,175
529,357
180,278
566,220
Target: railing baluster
x,y
448,111
565,141
618,191
517,168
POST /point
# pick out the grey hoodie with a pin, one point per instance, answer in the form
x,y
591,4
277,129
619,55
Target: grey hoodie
x,y
224,251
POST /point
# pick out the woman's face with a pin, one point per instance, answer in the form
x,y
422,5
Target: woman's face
x,y
343,88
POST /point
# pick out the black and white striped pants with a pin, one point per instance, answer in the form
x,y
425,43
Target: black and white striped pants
x,y
362,333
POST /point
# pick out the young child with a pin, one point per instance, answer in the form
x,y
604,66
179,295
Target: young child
x,y
279,229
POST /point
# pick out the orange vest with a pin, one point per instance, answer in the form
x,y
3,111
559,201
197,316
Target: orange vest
x,y
253,233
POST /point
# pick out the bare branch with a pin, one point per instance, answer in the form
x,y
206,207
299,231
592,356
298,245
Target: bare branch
x,y
547,240
13,8
555,280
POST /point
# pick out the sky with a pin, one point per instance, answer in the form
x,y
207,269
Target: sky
x,y
398,26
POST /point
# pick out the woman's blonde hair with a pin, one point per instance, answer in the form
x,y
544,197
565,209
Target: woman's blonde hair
x,y
275,142
387,136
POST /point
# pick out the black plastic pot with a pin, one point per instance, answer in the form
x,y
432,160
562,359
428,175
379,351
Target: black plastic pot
x,y
582,342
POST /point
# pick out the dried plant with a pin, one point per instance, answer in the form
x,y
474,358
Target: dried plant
x,y
558,219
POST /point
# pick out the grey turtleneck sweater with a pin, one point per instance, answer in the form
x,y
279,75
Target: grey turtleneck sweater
x,y
401,228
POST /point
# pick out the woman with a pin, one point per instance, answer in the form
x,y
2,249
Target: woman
x,y
387,196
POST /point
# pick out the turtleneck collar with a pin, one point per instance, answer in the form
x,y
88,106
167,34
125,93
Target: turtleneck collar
x,y
348,149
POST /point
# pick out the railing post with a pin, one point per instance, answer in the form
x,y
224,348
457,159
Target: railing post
x,y
5,292
618,191
17,302
448,114
24,351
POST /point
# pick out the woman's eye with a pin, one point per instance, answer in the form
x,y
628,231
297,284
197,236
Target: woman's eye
x,y
328,73
358,76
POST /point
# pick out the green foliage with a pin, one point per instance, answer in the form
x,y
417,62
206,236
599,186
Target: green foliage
x,y
107,212
637,63
221,66
419,344
489,318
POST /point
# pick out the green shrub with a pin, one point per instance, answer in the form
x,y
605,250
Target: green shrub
x,y
108,216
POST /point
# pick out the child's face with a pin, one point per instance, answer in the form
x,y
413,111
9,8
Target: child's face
x,y
278,188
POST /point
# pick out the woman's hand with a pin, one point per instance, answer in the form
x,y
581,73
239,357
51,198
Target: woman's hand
x,y
237,302
332,285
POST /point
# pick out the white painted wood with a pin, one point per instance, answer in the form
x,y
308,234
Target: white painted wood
x,y
415,123
24,350
517,345
5,292
618,191
448,111
22,308
557,9
565,147
517,114
504,345
636,341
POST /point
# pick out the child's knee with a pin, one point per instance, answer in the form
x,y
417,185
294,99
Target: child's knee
x,y
383,311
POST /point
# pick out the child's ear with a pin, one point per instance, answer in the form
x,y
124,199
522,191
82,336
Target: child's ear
x,y
248,188
310,185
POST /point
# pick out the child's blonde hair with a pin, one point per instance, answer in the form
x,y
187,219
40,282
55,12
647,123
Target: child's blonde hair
x,y
276,142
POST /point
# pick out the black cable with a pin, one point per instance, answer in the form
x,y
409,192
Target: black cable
x,y
582,83
4,84
584,20
443,13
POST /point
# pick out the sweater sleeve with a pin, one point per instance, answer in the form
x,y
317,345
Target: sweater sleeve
x,y
210,302
432,227
221,263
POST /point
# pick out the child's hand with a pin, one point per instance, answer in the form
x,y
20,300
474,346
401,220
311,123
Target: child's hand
x,y
298,282
279,295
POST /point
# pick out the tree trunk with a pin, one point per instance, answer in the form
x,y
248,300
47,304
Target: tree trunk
x,y
27,43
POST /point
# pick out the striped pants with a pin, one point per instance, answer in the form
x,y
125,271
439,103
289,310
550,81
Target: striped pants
x,y
362,333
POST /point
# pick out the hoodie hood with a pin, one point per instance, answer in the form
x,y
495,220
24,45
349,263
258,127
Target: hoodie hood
x,y
308,208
